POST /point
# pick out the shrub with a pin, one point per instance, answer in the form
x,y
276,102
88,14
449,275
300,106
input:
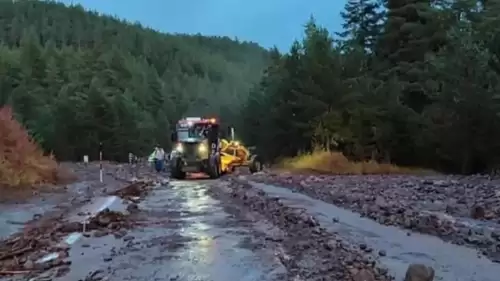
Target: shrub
x,y
331,162
22,162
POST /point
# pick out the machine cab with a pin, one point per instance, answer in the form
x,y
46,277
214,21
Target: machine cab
x,y
196,131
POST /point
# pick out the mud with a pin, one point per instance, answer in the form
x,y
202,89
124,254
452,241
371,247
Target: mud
x,y
461,210
45,241
306,249
393,247
184,235
20,206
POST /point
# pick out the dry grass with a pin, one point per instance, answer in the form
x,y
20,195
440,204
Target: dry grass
x,y
328,162
22,162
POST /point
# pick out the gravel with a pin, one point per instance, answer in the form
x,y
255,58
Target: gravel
x,y
307,250
461,210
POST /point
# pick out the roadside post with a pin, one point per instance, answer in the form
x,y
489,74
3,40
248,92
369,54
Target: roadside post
x,y
133,165
100,163
86,160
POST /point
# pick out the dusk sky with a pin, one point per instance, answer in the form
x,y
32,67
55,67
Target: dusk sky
x,y
267,22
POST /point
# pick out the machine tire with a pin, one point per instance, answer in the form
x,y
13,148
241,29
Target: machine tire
x,y
176,171
214,171
255,165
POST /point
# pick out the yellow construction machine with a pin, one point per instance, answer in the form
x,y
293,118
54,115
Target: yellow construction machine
x,y
199,147
234,154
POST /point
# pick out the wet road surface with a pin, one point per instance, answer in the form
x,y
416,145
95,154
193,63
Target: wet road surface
x,y
15,214
451,262
187,236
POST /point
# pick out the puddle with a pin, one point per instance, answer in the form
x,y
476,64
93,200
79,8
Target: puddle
x,y
451,262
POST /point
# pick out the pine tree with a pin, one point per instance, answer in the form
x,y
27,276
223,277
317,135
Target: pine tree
x,y
362,25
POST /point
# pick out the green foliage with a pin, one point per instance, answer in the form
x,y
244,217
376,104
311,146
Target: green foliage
x,y
420,90
75,78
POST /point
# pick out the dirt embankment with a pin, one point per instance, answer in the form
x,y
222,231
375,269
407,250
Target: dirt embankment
x,y
461,210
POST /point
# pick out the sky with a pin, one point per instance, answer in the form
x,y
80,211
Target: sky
x,y
267,22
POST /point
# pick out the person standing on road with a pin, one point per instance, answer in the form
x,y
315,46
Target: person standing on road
x,y
159,158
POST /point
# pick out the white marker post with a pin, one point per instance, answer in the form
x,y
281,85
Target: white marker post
x,y
132,164
100,163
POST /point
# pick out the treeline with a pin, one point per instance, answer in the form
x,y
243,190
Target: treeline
x,y
75,78
413,82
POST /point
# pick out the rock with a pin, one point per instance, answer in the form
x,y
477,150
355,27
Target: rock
x,y
441,183
100,233
474,239
71,227
382,253
128,238
419,272
477,212
380,202
496,235
364,275
103,220
29,265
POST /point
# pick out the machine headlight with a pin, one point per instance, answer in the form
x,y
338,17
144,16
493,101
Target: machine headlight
x,y
202,148
179,147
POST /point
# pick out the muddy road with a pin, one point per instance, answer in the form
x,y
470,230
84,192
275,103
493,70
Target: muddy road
x,y
184,234
235,228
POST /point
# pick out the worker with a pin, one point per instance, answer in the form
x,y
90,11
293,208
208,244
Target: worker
x,y
159,158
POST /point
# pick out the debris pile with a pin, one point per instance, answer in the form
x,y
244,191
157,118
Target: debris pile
x,y
19,253
464,211
134,191
110,220
309,251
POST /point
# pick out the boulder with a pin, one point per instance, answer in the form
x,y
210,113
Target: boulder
x,y
419,272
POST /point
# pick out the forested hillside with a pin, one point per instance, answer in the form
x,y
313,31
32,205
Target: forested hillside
x,y
414,82
75,78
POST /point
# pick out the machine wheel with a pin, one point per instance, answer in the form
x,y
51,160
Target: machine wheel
x,y
176,171
214,171
255,165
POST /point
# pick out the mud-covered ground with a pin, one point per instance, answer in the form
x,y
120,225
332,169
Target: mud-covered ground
x,y
140,225
461,210
137,226
307,250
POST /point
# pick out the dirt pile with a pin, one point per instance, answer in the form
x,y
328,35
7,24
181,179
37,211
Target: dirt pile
x,y
309,252
134,190
22,162
462,210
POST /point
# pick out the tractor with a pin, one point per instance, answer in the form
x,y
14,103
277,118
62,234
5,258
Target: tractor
x,y
198,147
